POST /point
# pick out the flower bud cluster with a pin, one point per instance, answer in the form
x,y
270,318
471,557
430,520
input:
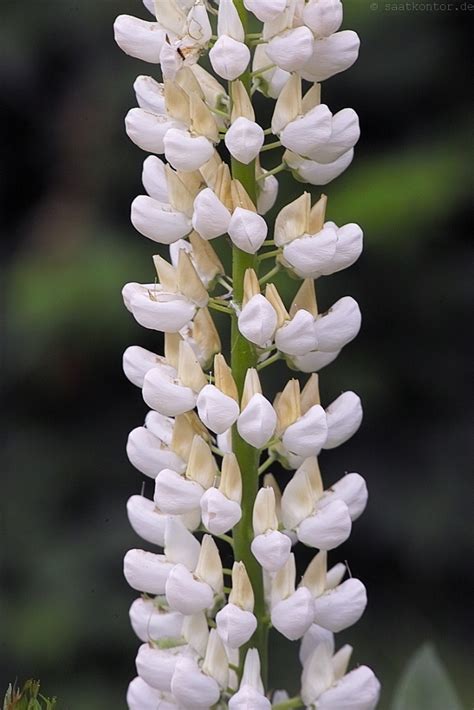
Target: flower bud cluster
x,y
198,622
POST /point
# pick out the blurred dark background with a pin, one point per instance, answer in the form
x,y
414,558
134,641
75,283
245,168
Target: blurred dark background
x,y
69,174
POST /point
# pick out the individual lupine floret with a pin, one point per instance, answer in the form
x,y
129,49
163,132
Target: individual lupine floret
x,y
139,38
311,246
326,685
236,621
302,422
251,693
218,403
137,361
150,523
172,395
191,592
270,547
289,46
258,319
267,77
149,448
156,666
203,257
176,494
292,610
221,507
295,333
323,17
230,55
152,622
141,696
244,138
314,173
200,687
202,335
257,421
266,10
337,604
331,55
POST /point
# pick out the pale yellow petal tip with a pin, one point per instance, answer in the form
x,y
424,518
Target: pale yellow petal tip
x,y
242,593
201,466
223,377
252,386
288,405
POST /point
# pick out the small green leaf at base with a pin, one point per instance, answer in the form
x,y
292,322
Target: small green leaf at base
x,y
425,684
28,698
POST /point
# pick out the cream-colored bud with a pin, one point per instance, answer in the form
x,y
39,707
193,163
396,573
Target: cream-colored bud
x,y
264,512
305,299
288,405
209,566
189,282
202,466
297,500
223,377
293,220
204,337
214,93
317,216
269,481
231,478
177,102
241,103
310,467
172,341
180,197
223,186
183,435
315,576
251,286
190,373
242,593
310,394
202,121
283,583
341,660
167,275
207,262
289,104
311,99
251,386
272,295
216,663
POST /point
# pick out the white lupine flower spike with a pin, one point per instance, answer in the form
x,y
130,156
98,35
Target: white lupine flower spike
x,y
214,427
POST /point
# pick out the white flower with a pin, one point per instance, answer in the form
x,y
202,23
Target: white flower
x,y
294,615
152,623
271,81
323,17
247,229
147,453
307,133
291,50
175,494
314,361
312,639
244,140
235,626
159,221
352,489
216,410
251,693
156,667
328,527
219,514
345,132
317,173
146,572
150,94
344,417
191,687
148,130
257,422
210,217
339,325
331,55
258,321
146,520
185,151
139,38
267,193
137,361
187,594
141,696
310,253
229,58
339,608
166,395
297,336
270,547
154,308
266,10
358,690
307,436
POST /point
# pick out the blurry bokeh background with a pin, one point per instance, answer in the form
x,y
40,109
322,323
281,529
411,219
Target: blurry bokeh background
x,y
69,174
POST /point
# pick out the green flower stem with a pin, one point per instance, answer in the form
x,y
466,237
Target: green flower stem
x,y
289,704
243,357
271,146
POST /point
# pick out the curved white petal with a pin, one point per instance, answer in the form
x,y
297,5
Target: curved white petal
x,y
358,690
244,140
307,133
293,616
187,594
146,572
344,417
235,626
339,608
271,549
219,514
248,230
229,58
151,623
328,528
297,336
216,410
292,49
186,152
175,494
331,55
339,325
318,173
307,436
165,396
258,320
257,423
150,94
210,217
138,38
148,130
310,255
158,221
323,17
146,521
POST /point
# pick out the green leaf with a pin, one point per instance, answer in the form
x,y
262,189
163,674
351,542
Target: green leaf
x,y
425,684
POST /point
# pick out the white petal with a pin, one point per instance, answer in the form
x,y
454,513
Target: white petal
x,y
271,550
180,545
293,616
244,140
248,230
318,675
199,26
345,134
187,594
291,50
171,60
358,690
229,22
352,489
141,696
257,423
192,688
151,623
175,494
136,363
159,425
269,82
310,254
266,10
147,130
339,608
344,417
258,321
314,361
235,626
145,571
150,94
210,217
149,455
170,399
267,195
315,636
339,325
156,667
350,240
332,55
186,152
306,134
307,436
323,17
229,58
146,521
328,528
216,410
158,221
297,336
318,173
157,310
247,698
154,178
139,38
219,514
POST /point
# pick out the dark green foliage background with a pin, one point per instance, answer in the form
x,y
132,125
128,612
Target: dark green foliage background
x,y
69,176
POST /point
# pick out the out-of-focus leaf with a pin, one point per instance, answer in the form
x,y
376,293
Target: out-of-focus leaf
x,y
28,698
425,684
